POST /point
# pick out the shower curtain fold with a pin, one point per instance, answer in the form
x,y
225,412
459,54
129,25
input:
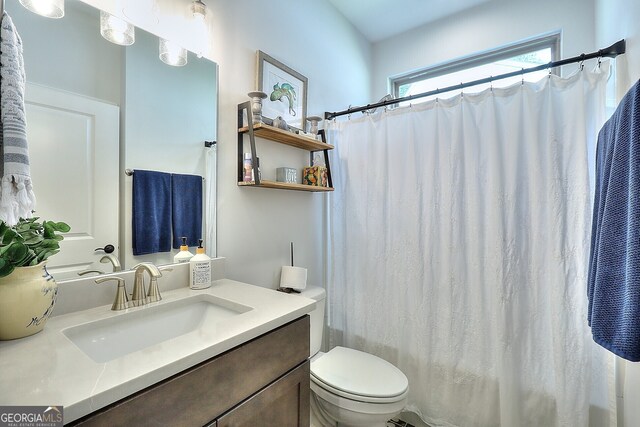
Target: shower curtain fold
x,y
459,249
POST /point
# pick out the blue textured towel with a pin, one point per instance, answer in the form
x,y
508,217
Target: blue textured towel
x,y
614,264
151,212
186,205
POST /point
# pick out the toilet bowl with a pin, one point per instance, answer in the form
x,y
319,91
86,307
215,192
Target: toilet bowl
x,y
350,387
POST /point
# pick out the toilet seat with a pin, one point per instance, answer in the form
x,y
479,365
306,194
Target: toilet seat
x,y
359,376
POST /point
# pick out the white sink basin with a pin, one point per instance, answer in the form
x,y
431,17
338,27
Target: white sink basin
x,y
113,337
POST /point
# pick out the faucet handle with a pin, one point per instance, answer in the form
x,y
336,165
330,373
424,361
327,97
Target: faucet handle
x,y
82,273
154,291
122,301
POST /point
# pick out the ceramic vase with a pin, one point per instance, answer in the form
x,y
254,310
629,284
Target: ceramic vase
x,y
27,297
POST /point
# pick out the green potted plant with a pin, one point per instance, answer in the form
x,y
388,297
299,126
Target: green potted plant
x,y
27,291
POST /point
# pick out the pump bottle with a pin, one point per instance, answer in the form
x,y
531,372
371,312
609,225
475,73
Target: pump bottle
x,y
184,255
200,269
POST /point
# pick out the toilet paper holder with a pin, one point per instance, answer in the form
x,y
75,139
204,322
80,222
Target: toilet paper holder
x,y
293,279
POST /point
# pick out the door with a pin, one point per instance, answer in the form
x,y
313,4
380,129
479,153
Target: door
x,y
73,148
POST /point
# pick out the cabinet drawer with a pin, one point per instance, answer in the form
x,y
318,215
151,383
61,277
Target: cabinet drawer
x,y
204,392
283,403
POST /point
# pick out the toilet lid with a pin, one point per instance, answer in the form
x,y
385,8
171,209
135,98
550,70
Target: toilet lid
x,y
359,373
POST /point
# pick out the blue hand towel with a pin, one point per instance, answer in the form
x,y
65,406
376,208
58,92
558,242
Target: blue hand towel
x,y
151,212
186,206
614,264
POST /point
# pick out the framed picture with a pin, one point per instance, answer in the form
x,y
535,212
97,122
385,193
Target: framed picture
x,y
286,91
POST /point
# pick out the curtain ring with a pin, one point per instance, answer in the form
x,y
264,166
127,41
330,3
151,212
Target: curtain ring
x,y
491,83
599,61
522,76
581,65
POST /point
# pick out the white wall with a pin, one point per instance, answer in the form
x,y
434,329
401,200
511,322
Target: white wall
x,y
255,226
618,19
484,27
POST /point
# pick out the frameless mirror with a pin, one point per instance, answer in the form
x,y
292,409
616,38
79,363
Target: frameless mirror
x,y
95,109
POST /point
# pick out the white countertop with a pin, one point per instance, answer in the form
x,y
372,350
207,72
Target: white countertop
x,y
48,369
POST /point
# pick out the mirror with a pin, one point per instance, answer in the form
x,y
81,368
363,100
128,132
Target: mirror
x,y
95,109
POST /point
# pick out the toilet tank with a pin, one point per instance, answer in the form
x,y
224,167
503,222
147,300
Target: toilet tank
x,y
316,316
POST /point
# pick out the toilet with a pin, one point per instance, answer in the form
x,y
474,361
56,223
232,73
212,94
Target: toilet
x,y
350,387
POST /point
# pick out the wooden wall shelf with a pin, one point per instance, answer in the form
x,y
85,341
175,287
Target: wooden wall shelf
x,y
286,186
289,138
280,136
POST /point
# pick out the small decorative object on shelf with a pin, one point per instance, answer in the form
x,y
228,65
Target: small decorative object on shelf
x,y
315,175
280,123
256,105
313,127
247,168
286,175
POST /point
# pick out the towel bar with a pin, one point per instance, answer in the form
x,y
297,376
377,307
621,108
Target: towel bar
x,y
129,172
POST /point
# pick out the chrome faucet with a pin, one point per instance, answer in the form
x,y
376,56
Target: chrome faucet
x,y
139,296
115,262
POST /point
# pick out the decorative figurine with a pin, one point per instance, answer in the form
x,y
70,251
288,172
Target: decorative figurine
x,y
280,123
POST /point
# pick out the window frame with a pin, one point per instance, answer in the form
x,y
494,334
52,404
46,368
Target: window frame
x,y
550,40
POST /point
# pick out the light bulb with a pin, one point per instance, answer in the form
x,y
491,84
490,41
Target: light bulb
x,y
47,8
199,10
116,30
172,53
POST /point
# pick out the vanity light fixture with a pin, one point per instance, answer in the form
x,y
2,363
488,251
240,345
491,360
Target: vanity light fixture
x,y
47,8
199,10
116,30
172,53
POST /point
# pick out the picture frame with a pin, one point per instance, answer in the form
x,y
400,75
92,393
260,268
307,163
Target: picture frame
x,y
286,91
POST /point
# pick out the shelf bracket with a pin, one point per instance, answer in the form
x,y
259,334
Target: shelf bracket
x,y
246,106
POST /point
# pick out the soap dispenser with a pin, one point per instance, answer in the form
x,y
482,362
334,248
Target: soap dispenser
x,y
200,269
184,255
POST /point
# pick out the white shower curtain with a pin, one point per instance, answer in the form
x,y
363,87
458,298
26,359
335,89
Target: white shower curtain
x,y
458,251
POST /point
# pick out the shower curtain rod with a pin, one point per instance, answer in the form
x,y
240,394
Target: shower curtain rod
x,y
610,52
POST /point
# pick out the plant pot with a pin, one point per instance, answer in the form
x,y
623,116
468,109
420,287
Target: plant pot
x,y
27,297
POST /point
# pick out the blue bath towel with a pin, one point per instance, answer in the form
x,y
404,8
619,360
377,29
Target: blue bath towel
x,y
614,264
151,212
186,206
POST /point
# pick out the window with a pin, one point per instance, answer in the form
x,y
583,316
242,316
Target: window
x,y
507,59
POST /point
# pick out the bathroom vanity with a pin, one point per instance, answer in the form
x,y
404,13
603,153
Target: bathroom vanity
x,y
264,379
231,355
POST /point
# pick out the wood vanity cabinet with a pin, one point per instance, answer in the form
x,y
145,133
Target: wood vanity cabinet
x,y
263,382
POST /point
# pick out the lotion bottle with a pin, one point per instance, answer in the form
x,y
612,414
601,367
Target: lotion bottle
x,y
200,269
184,255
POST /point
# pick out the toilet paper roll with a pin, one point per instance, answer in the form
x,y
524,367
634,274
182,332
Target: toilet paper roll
x,y
293,277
